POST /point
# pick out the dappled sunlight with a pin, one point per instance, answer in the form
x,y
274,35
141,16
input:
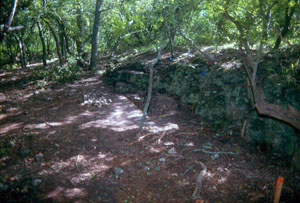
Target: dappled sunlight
x,y
123,116
189,144
63,194
77,170
220,176
153,127
68,120
10,127
3,116
169,143
36,126
152,149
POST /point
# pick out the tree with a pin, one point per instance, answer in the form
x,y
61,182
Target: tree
x,y
95,35
7,27
251,63
289,12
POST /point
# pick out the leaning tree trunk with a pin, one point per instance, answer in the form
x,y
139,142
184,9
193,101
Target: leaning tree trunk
x,y
286,27
43,44
95,35
56,43
150,87
6,27
22,51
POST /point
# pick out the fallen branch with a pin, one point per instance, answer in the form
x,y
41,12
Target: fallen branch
x,y
203,150
141,138
160,138
198,188
187,133
187,170
11,29
285,40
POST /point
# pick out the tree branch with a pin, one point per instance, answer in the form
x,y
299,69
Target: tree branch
x,y
150,87
12,14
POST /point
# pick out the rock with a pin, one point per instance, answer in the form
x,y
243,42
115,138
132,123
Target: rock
x,y
11,144
215,156
3,187
118,171
162,160
25,152
38,157
36,182
172,151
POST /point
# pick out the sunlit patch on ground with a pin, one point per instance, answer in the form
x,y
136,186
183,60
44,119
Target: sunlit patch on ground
x,y
9,127
66,194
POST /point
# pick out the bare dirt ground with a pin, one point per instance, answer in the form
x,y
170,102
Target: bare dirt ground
x,y
78,143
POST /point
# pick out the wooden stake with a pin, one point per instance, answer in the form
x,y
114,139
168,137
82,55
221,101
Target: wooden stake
x,y
278,188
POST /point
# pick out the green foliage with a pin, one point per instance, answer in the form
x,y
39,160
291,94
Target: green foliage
x,y
280,86
211,92
128,78
64,74
276,137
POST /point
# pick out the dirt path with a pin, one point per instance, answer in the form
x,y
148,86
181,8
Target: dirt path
x,y
78,143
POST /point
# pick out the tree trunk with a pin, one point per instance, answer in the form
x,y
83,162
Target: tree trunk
x,y
63,37
48,45
22,52
150,87
12,14
290,115
285,29
6,28
79,40
56,43
43,44
95,35
62,44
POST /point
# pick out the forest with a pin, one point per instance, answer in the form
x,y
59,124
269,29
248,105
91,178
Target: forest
x,y
150,101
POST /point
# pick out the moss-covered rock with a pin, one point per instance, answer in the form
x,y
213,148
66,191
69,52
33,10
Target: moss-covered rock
x,y
220,96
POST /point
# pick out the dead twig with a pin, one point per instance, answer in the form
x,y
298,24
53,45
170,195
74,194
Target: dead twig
x,y
160,138
187,133
141,138
203,150
189,168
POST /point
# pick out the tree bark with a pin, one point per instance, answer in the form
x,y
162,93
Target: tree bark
x,y
43,44
79,21
290,115
150,87
7,28
12,14
11,29
285,29
22,52
56,43
95,35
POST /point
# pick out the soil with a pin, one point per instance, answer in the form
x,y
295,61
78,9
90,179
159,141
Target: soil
x,y
79,142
